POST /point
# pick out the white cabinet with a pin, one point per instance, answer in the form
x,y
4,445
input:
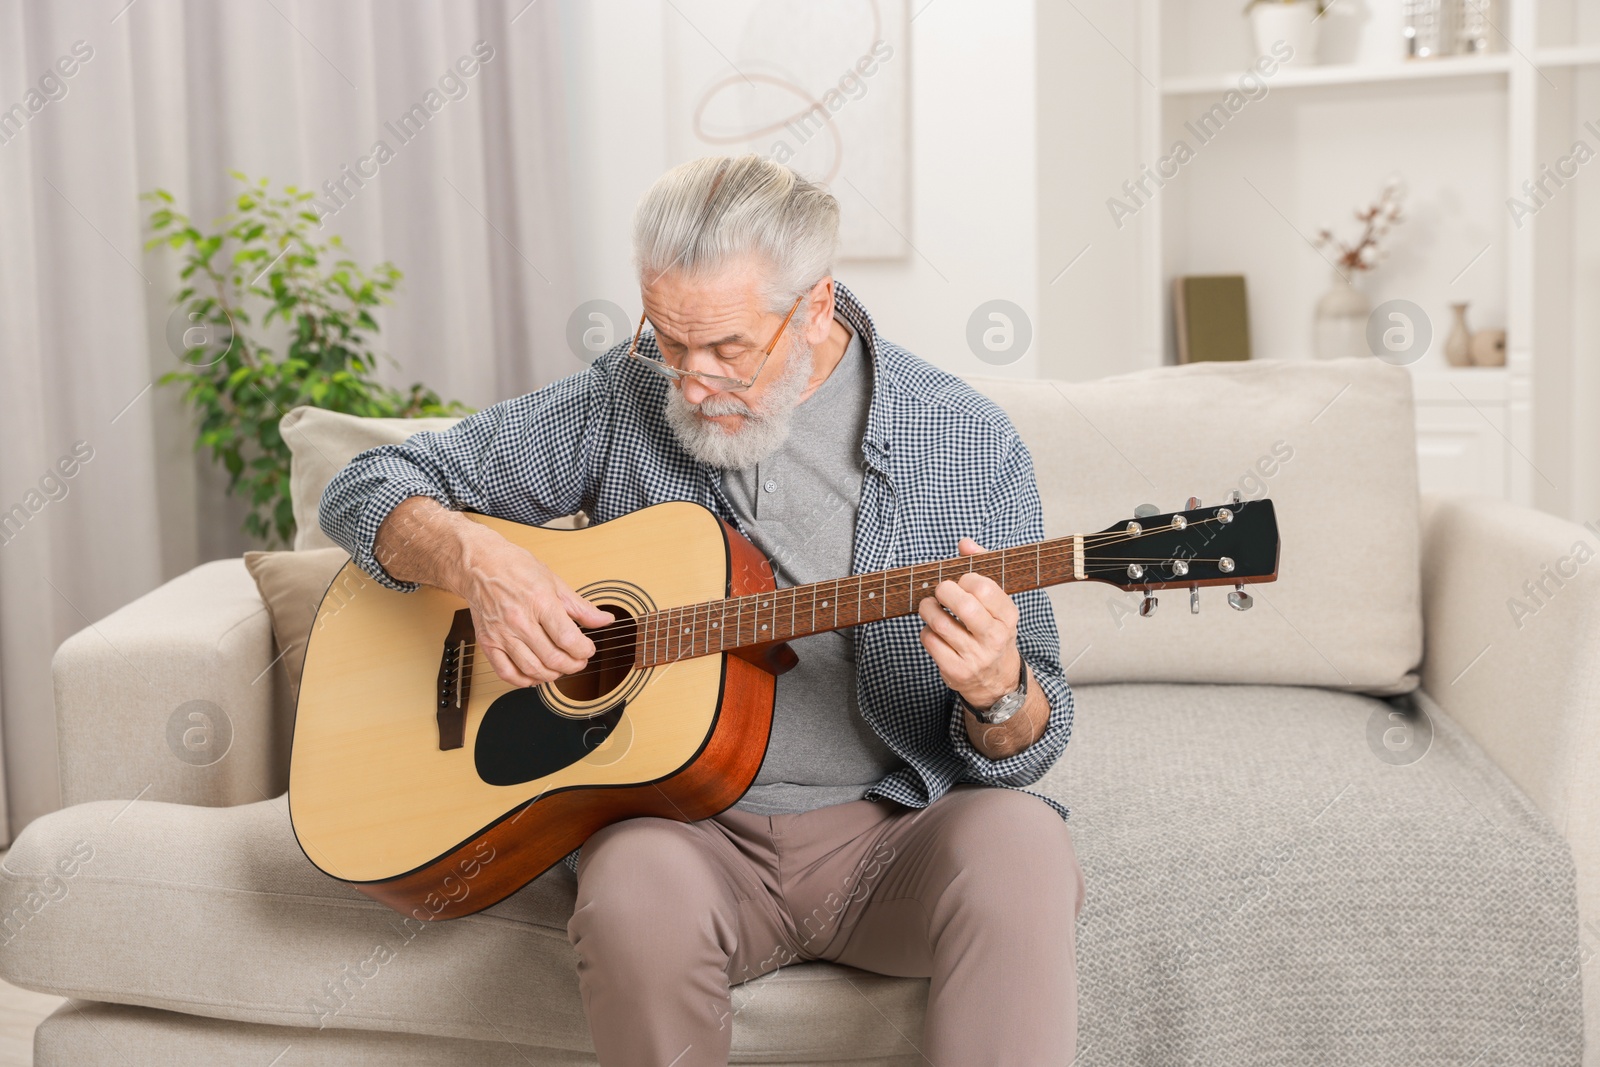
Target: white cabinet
x,y
1464,420
1460,449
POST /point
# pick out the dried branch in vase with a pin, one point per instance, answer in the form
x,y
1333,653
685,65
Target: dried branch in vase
x,y
1377,219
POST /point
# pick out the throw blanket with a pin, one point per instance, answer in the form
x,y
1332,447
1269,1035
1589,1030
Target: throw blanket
x,y
1265,888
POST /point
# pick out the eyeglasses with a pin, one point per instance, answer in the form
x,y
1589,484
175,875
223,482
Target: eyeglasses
x,y
717,380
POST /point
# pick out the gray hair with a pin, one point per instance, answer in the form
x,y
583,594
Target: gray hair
x,y
702,215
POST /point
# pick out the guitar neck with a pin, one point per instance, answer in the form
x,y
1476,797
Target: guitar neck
x,y
799,611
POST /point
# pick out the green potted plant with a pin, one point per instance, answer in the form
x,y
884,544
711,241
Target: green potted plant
x,y
262,279
1289,22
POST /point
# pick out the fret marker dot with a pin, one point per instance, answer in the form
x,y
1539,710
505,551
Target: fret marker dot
x,y
685,629
824,603
763,626
713,626
871,595
924,585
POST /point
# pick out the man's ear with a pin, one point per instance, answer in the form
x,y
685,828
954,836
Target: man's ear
x,y
820,323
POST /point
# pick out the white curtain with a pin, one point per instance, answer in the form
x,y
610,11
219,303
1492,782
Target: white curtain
x,y
473,208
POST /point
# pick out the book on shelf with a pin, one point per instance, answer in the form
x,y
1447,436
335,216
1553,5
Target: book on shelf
x,y
1211,317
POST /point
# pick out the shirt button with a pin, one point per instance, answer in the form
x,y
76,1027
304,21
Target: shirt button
x,y
771,486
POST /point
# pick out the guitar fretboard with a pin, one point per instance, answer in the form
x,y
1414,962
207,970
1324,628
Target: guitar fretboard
x,y
798,611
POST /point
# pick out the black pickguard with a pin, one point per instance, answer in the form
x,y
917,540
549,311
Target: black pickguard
x,y
521,738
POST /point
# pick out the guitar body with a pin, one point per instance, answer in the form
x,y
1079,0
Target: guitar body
x,y
443,807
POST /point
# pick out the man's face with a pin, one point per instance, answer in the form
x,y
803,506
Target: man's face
x,y
720,324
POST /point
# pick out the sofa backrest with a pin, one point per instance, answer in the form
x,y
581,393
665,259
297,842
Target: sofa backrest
x,y
1332,443
320,444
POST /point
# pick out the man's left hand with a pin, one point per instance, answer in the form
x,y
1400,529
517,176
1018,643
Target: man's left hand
x,y
976,649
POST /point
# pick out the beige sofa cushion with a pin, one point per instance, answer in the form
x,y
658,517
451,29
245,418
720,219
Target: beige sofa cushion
x,y
215,911
1333,444
292,585
321,443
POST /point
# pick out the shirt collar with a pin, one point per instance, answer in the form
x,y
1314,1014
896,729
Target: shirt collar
x,y
885,360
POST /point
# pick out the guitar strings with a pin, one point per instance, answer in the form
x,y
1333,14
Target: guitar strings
x,y
612,638
495,685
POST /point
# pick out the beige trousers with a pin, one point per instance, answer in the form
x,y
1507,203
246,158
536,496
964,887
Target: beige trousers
x,y
979,891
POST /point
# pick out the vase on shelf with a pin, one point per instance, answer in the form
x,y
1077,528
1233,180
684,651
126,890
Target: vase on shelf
x,y
1488,348
1475,29
1458,346
1339,329
1293,22
1431,27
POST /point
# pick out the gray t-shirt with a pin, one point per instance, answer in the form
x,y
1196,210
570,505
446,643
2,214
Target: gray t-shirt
x,y
799,506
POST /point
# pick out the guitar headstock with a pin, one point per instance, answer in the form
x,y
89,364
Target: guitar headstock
x,y
1231,544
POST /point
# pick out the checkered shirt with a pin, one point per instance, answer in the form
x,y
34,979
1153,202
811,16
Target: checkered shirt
x,y
940,462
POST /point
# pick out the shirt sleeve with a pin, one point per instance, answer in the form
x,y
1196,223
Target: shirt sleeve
x,y
527,459
1016,517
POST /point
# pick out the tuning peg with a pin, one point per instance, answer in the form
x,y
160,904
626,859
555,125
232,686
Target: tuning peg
x,y
1147,606
1234,497
1194,502
1194,600
1239,600
1144,511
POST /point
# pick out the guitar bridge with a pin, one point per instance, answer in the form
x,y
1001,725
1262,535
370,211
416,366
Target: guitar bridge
x,y
455,681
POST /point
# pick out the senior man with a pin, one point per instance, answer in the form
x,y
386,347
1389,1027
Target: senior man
x,y
874,835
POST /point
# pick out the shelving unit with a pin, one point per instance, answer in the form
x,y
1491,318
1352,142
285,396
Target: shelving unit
x,y
1465,132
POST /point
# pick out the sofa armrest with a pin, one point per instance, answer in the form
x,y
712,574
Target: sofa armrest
x,y
173,697
1511,623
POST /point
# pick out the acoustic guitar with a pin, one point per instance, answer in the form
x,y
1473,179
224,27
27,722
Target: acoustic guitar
x,y
424,780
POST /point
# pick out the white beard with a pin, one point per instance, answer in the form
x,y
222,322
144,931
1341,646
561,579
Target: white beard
x,y
764,429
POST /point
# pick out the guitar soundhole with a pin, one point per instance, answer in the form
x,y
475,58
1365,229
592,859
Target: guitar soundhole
x,y
611,663
522,737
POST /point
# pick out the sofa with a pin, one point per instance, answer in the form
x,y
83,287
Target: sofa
x,y
1358,823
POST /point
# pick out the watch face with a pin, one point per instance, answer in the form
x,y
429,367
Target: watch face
x,y
1006,706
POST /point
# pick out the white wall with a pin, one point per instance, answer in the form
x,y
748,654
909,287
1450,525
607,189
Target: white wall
x,y
973,152
1088,136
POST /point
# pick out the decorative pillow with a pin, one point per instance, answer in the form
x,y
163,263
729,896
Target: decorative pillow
x,y
1332,443
292,585
320,444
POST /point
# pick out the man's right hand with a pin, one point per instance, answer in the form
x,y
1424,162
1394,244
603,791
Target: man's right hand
x,y
526,618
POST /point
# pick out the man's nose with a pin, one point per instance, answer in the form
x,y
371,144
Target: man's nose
x,y
694,390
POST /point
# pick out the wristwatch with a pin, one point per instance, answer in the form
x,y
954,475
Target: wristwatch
x,y
1006,706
